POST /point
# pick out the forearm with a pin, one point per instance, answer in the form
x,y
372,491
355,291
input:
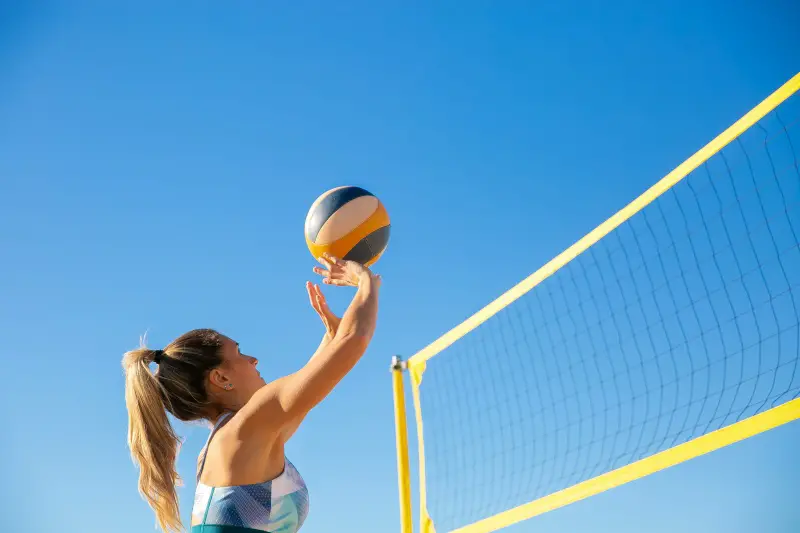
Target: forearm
x,y
360,318
326,339
366,291
280,405
335,358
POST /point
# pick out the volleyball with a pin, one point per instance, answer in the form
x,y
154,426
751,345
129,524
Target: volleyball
x,y
350,223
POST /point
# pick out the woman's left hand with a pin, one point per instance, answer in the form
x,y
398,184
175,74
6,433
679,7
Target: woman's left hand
x,y
320,305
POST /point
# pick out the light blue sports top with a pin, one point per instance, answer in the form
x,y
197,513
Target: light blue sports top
x,y
279,505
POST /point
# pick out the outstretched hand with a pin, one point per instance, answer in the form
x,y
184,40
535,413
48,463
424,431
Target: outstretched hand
x,y
320,305
342,272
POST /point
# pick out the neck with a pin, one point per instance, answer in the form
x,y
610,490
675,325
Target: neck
x,y
217,413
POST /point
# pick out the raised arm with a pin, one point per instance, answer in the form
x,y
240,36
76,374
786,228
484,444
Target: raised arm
x,y
280,405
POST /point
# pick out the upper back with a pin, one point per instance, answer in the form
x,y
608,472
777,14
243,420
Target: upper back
x,y
229,459
279,503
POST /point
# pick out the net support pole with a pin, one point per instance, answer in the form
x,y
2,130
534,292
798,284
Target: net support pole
x,y
401,440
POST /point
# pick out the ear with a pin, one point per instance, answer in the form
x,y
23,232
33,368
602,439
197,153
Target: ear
x,y
217,378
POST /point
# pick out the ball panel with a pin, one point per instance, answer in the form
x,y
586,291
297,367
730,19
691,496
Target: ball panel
x,y
367,250
327,204
346,219
342,247
309,223
374,259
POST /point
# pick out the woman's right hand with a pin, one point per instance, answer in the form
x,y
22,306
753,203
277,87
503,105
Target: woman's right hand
x,y
343,273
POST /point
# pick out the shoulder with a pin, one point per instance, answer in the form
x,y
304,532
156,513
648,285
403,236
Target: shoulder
x,y
265,419
252,425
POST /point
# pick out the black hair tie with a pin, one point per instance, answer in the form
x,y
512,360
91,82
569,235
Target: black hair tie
x,y
158,356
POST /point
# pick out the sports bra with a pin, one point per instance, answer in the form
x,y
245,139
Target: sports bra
x,y
278,505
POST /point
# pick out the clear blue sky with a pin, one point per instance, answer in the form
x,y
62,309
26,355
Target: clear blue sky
x,y
157,162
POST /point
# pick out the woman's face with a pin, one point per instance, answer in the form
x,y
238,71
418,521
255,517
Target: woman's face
x,y
237,376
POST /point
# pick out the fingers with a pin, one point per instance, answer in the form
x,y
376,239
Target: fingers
x,y
312,298
336,281
325,320
316,298
327,276
336,273
329,260
332,258
333,266
323,304
310,290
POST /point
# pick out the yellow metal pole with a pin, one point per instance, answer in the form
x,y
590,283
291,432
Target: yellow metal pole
x,y
401,435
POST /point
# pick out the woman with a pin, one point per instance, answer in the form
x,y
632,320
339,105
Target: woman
x,y
244,481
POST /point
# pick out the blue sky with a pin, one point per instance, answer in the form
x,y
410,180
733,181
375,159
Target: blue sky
x,y
157,162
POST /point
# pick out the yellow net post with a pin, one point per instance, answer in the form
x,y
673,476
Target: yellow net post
x,y
425,522
401,435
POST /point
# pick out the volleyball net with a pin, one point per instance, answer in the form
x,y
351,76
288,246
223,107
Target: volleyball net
x,y
669,331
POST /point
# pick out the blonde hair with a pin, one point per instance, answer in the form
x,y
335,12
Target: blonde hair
x,y
176,387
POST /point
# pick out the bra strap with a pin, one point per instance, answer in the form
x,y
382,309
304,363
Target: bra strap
x,y
218,425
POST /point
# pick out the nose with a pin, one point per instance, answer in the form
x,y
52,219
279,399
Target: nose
x,y
253,360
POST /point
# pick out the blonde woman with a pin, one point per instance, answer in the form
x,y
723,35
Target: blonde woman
x,y
245,484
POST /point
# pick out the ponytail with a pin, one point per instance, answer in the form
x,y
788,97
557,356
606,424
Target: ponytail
x,y
151,439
